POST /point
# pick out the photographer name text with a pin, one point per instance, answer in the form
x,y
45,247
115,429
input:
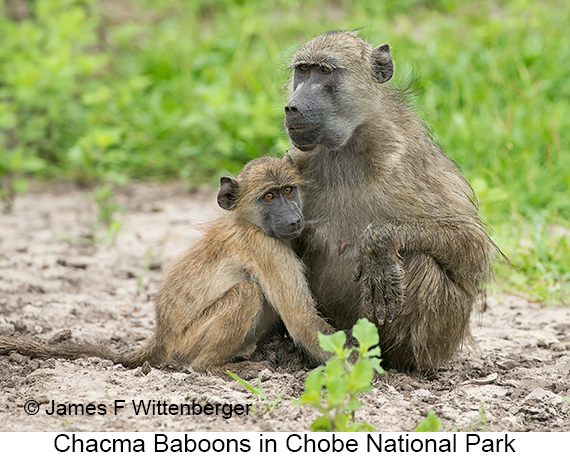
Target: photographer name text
x,y
140,408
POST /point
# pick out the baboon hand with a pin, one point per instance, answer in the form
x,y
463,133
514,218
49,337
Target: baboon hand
x,y
382,289
381,273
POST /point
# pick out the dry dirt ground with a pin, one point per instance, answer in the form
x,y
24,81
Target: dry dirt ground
x,y
55,276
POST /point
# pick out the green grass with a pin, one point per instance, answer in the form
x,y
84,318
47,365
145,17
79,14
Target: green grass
x,y
173,89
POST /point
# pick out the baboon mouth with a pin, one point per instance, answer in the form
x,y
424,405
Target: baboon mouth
x,y
291,235
299,127
304,136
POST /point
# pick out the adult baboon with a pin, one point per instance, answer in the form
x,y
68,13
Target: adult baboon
x,y
233,286
390,208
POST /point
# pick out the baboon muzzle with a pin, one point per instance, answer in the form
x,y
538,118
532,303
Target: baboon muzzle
x,y
301,124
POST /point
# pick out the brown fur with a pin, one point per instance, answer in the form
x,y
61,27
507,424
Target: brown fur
x,y
224,294
386,200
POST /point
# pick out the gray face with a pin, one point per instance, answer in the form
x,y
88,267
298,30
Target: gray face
x,y
312,116
328,103
281,213
277,212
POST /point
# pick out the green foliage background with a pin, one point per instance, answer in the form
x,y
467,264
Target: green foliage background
x,y
109,91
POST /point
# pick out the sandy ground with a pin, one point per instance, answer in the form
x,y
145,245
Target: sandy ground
x,y
56,276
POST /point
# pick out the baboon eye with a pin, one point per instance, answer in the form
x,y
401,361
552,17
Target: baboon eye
x,y
269,196
325,69
287,190
303,67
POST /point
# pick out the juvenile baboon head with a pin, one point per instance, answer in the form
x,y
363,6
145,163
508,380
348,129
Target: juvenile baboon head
x,y
335,76
265,193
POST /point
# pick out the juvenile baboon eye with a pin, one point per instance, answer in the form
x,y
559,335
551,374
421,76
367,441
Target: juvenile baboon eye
x,y
269,196
325,69
303,67
287,190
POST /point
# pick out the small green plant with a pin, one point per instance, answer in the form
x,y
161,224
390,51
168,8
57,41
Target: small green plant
x,y
142,278
431,423
478,424
481,422
258,391
107,208
7,194
148,258
333,389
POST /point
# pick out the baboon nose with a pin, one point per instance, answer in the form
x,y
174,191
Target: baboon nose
x,y
296,225
291,109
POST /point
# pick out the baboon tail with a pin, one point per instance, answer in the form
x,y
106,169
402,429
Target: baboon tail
x,y
152,352
30,347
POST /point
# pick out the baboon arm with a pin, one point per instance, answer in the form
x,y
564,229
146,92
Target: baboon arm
x,y
460,248
291,298
304,325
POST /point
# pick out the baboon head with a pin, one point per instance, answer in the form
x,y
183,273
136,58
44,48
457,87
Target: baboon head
x,y
265,193
335,77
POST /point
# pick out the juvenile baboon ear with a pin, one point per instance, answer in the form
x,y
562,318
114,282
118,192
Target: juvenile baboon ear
x,y
288,158
228,193
382,64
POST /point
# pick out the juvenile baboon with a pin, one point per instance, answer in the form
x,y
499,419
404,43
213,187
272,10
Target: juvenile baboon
x,y
233,286
397,236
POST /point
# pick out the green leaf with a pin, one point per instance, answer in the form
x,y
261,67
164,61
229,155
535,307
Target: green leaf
x,y
33,164
20,185
375,362
246,384
321,424
273,404
353,404
360,376
365,333
374,352
309,398
334,368
313,389
315,380
430,424
360,427
333,343
337,391
340,422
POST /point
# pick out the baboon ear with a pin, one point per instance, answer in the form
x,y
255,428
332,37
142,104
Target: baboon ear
x,y
383,66
288,158
228,193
